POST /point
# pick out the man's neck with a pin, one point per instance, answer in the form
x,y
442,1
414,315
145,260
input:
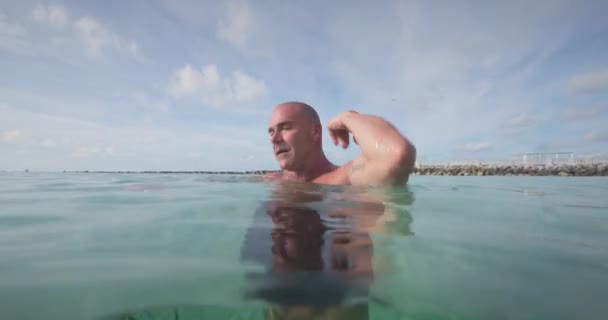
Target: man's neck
x,y
321,166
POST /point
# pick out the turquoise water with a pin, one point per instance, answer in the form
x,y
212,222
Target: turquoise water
x,y
136,246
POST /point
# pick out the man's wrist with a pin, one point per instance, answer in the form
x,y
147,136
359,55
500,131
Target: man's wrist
x,y
348,116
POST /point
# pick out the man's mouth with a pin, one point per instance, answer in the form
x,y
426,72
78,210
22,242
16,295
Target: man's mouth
x,y
280,151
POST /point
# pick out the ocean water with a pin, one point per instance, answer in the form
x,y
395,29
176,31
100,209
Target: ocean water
x,y
186,246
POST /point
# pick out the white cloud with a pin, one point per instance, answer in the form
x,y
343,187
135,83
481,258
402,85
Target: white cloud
x,y
234,28
55,15
97,39
11,136
188,81
595,81
247,88
70,35
214,90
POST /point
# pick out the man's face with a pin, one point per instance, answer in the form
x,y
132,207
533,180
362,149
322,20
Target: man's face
x,y
291,137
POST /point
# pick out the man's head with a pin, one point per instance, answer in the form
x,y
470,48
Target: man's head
x,y
295,133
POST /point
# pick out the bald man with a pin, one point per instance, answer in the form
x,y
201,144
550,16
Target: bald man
x,y
387,157
326,251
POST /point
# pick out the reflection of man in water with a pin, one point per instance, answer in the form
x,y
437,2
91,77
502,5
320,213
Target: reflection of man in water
x,y
317,254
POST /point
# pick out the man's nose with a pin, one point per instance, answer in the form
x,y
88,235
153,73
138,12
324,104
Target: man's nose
x,y
276,137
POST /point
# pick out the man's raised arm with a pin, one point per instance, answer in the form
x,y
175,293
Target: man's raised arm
x,y
387,157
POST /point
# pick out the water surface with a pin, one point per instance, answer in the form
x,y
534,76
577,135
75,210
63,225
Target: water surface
x,y
154,246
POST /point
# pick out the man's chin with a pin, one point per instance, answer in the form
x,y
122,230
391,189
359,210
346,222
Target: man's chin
x,y
284,164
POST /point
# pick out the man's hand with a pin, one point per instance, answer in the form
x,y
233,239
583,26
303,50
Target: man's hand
x,y
339,133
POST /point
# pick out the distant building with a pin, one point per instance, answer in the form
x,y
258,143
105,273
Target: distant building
x,y
547,158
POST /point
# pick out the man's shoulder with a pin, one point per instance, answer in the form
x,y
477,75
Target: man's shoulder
x,y
338,175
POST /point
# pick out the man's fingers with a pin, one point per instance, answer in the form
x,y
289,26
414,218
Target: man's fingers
x,y
344,140
340,137
332,136
335,136
336,125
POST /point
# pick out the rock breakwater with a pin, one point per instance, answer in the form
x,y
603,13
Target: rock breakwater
x,y
592,169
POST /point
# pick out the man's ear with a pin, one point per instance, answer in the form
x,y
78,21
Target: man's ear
x,y
317,132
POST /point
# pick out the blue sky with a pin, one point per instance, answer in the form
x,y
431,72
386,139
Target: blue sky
x,y
189,85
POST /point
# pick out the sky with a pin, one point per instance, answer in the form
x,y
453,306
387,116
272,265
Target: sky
x,y
189,85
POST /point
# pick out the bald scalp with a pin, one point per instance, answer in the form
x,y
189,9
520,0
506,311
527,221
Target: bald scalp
x,y
302,109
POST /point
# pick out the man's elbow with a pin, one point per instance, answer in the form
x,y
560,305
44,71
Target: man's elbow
x,y
403,162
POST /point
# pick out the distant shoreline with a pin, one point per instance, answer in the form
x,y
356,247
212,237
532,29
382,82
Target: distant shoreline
x,y
513,169
480,169
471,168
254,172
